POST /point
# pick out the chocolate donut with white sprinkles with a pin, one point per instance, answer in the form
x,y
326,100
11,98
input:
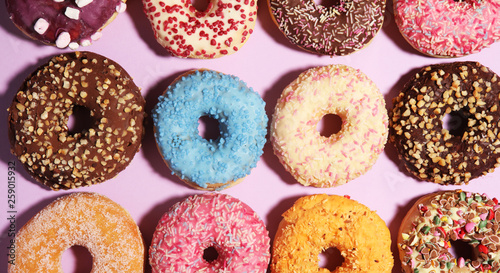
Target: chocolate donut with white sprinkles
x,y
467,91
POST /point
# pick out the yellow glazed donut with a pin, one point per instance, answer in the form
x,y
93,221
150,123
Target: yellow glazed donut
x,y
335,160
317,222
86,219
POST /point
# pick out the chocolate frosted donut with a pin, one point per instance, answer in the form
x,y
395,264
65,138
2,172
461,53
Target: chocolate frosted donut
x,y
39,114
467,91
63,22
341,29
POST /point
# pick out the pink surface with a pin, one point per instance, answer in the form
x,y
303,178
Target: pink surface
x,y
267,62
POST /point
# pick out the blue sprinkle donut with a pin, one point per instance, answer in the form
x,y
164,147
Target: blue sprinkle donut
x,y
210,164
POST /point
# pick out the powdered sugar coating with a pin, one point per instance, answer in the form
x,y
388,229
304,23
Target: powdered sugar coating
x,y
210,220
329,161
448,28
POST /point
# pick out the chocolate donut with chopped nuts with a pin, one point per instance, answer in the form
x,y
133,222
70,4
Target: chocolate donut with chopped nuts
x,y
39,114
467,91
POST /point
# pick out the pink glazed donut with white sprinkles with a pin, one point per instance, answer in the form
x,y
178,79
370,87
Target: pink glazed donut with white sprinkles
x,y
220,223
328,161
448,28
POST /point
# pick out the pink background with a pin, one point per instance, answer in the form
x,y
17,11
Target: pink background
x,y
267,62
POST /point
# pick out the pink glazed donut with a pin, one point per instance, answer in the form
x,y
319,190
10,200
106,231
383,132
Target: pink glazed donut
x,y
206,222
448,28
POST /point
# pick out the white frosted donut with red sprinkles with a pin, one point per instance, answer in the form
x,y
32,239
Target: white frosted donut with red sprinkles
x,y
328,161
448,28
185,32
191,228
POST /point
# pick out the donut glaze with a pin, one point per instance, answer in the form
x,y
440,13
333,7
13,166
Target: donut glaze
x,y
341,29
210,220
85,219
317,222
436,220
63,22
185,32
448,28
321,161
39,113
433,153
210,164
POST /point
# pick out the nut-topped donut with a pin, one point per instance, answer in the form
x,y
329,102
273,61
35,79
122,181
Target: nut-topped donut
x,y
336,30
466,90
39,114
64,22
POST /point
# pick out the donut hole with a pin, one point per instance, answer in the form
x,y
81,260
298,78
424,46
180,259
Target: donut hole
x,y
330,258
329,3
200,5
462,249
210,254
80,120
76,259
455,122
329,125
209,128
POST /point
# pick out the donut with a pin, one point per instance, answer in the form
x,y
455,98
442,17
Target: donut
x,y
447,28
337,30
317,222
38,121
219,30
210,221
319,161
427,149
438,220
90,220
64,23
210,164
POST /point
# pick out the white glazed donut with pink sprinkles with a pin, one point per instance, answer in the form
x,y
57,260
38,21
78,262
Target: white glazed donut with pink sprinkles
x,y
328,161
210,232
448,28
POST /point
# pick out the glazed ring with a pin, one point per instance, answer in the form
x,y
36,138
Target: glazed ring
x,y
204,163
85,219
318,222
437,220
38,121
336,30
335,160
428,150
443,28
185,32
210,221
64,23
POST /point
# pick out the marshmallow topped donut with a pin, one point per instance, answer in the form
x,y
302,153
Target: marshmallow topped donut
x,y
335,160
448,28
341,29
64,23
185,32
205,222
90,220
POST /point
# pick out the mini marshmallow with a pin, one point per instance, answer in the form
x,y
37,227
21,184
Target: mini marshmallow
x,y
41,26
96,36
73,45
72,13
63,40
121,7
83,3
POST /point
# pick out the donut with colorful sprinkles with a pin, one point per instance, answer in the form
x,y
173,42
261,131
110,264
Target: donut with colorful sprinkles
x,y
64,23
328,161
204,163
341,29
210,233
448,28
439,220
219,30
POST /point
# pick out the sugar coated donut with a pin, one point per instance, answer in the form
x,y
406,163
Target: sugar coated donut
x,y
64,23
329,161
318,222
448,28
204,163
466,90
335,30
186,32
38,121
210,221
437,220
86,219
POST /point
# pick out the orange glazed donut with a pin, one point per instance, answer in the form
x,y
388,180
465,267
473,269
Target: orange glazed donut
x,y
86,219
318,222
